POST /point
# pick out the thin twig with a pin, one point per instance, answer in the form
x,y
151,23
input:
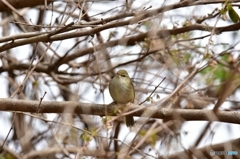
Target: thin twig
x,y
41,102
153,91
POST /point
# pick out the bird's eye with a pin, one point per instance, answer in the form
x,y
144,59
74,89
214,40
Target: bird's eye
x,y
123,75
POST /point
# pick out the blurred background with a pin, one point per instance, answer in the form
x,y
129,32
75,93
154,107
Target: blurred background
x,y
179,55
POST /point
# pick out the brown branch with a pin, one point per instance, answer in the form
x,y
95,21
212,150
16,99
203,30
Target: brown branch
x,y
22,3
136,19
25,3
131,40
55,150
99,109
24,66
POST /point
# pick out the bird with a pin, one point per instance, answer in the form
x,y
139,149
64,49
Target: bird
x,y
122,91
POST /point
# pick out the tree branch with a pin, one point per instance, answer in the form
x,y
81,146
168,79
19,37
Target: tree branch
x,y
100,109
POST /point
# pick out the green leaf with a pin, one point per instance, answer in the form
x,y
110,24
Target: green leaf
x,y
85,136
232,13
216,73
149,99
223,11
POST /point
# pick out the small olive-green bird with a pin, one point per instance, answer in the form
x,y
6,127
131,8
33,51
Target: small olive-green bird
x,y
122,91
